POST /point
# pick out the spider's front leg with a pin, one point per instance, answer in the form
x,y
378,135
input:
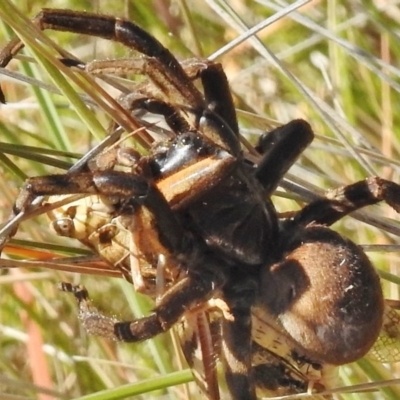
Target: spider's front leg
x,y
132,191
118,30
213,113
188,295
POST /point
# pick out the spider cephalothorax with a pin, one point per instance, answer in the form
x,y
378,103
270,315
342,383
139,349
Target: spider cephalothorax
x,y
197,215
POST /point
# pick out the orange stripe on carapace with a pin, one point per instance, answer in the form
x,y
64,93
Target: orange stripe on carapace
x,y
184,185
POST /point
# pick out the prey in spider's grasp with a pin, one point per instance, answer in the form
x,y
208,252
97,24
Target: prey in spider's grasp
x,y
197,215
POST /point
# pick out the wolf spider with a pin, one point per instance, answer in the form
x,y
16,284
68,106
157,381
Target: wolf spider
x,y
196,206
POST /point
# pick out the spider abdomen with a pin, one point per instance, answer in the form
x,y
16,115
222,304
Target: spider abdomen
x,y
327,296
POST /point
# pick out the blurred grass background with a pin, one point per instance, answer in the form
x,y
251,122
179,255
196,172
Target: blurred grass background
x,y
335,64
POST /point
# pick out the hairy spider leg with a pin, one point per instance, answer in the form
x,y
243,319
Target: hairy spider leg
x,y
158,64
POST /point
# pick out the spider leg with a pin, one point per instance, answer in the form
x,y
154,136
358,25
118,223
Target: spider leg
x,y
217,93
11,227
216,88
174,120
166,86
188,293
129,188
118,30
280,149
158,63
200,337
215,118
344,200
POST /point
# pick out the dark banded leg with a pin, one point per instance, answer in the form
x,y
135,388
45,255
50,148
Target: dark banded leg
x,y
118,30
344,200
214,109
185,295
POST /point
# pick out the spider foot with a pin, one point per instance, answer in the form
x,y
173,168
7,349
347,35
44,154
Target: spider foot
x,y
93,321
